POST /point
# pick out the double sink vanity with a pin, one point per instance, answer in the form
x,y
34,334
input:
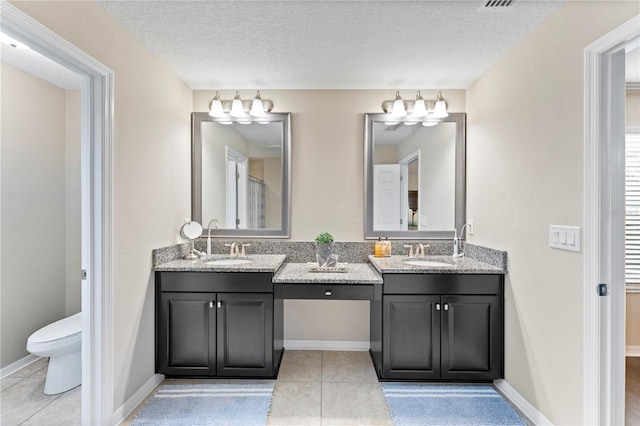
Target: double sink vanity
x,y
434,318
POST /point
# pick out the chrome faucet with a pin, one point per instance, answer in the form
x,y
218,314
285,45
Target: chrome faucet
x,y
420,249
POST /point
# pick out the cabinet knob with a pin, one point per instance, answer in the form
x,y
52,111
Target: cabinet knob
x,y
210,304
437,306
219,305
446,306
327,292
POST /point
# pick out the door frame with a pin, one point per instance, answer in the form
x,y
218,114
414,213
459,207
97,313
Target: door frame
x,y
404,188
603,261
96,205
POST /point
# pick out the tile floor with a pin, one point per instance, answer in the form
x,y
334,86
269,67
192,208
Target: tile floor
x,y
22,401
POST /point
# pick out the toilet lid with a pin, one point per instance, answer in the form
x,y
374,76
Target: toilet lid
x,y
65,327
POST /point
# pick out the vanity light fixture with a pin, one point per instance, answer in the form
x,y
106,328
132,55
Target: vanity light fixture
x,y
416,111
239,109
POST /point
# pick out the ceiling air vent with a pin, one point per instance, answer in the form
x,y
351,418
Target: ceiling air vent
x,y
499,3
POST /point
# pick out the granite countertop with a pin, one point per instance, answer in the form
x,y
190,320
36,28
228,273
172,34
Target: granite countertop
x,y
357,273
461,265
259,263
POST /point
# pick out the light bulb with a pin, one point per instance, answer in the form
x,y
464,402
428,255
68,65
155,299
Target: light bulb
x,y
216,107
236,107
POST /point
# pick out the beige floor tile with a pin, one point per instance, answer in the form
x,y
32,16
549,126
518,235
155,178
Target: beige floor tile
x,y
301,366
64,411
7,382
22,400
31,369
295,403
354,404
348,366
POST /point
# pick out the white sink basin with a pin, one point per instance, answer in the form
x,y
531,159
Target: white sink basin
x,y
228,262
428,263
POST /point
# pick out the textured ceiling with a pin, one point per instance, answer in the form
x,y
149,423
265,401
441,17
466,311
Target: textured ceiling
x,y
328,44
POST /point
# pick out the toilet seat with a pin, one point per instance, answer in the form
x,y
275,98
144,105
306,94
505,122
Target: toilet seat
x,y
60,330
58,338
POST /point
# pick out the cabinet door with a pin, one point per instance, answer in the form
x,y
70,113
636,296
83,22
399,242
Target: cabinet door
x,y
185,334
411,337
245,334
471,338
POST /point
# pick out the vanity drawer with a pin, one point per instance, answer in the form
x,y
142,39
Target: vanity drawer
x,y
327,291
442,283
234,282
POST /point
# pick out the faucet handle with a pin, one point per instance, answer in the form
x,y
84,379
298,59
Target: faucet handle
x,y
243,253
410,247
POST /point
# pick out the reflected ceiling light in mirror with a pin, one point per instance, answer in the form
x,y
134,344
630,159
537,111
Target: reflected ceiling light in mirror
x,y
440,110
237,108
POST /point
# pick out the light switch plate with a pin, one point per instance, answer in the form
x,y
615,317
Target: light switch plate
x,y
564,237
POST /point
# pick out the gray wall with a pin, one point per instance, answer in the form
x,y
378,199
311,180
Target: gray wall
x,y
35,144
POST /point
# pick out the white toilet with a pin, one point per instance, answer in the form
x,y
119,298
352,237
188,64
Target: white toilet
x,y
61,342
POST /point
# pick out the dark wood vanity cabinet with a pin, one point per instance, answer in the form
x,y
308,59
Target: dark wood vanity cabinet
x,y
439,327
229,330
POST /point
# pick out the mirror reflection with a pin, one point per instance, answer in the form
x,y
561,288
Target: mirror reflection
x,y
415,178
242,187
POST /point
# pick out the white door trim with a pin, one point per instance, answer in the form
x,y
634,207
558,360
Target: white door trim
x,y
96,170
603,233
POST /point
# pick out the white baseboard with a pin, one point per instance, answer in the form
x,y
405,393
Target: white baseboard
x,y
18,365
632,351
326,345
136,399
521,403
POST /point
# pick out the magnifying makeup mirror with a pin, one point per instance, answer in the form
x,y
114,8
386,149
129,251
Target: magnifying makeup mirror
x,y
190,231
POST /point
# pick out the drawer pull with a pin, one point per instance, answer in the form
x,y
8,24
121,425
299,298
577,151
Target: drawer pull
x,y
327,292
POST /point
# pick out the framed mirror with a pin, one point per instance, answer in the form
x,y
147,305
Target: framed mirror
x,y
241,175
415,177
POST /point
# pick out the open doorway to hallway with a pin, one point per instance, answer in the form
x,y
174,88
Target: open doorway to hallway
x,y
632,236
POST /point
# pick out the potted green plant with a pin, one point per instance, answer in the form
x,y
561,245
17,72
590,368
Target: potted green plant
x,y
324,250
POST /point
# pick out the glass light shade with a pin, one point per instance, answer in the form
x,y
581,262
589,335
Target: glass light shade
x,y
257,109
236,107
429,123
419,107
440,110
398,110
216,107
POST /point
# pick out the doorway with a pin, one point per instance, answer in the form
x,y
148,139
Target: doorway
x,y
96,107
604,251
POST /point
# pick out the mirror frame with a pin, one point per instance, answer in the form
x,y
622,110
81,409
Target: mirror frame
x,y
460,180
197,118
